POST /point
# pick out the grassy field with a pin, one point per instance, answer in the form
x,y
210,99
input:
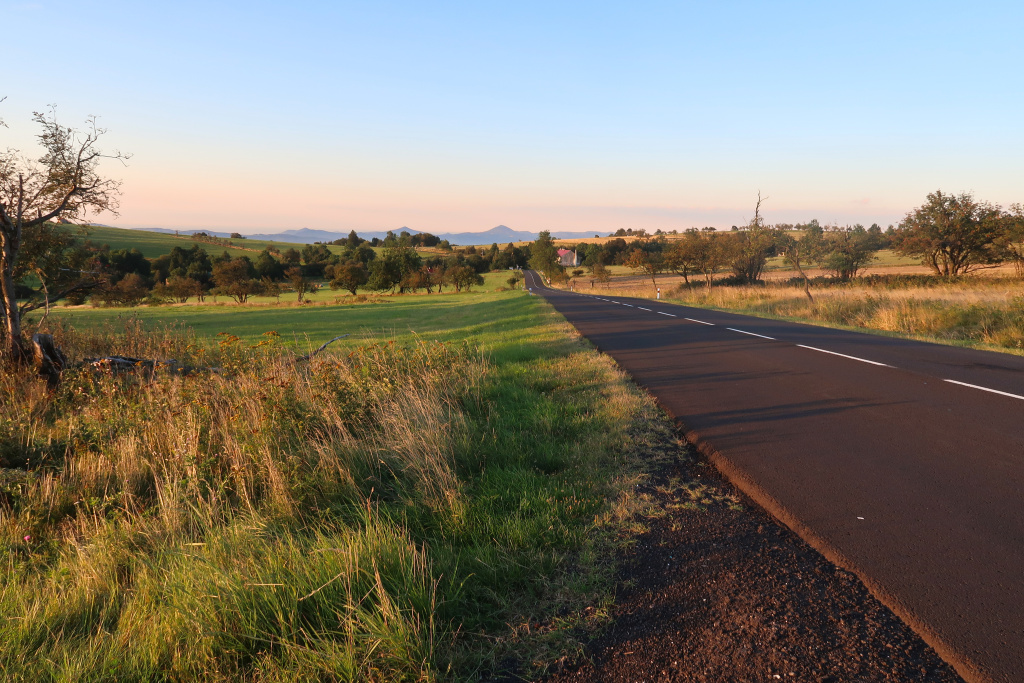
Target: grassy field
x,y
154,244
427,500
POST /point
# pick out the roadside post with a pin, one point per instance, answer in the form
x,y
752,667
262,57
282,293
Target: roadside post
x,y
659,293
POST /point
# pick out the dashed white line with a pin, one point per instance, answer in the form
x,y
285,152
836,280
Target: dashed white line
x,y
752,334
862,360
694,320
975,386
644,309
630,305
663,313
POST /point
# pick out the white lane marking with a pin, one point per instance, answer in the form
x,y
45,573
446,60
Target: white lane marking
x,y
862,360
668,314
975,386
644,309
630,305
752,334
694,320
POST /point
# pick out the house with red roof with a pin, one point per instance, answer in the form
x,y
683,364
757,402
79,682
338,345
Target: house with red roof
x,y
568,257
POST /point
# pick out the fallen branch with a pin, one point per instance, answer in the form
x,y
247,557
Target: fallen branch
x,y
51,362
310,355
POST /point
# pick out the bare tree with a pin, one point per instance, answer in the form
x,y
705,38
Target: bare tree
x,y
63,183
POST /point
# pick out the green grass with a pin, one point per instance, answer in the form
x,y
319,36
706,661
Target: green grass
x,y
455,315
430,499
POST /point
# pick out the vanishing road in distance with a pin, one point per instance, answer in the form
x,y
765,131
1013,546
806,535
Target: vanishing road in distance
x,y
900,460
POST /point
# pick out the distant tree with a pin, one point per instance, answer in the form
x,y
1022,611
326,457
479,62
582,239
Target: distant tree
x,y
514,280
650,264
709,253
237,236
63,183
348,276
271,288
1010,242
130,290
677,259
877,238
236,278
291,257
300,283
544,255
802,251
599,272
268,267
120,262
363,253
751,246
354,240
953,234
845,251
463,277
182,288
316,258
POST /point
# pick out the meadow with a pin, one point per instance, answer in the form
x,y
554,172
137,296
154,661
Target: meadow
x,y
433,498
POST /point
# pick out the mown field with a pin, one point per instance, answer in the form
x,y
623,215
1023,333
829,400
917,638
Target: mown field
x,y
431,499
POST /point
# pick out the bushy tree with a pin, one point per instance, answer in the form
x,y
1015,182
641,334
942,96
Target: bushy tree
x,y
846,250
463,278
544,256
953,234
130,290
268,267
236,278
1010,242
191,263
315,259
349,276
708,253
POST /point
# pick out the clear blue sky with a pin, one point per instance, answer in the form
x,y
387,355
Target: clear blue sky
x,y
460,116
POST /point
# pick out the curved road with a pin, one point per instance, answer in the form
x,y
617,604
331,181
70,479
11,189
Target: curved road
x,y
900,460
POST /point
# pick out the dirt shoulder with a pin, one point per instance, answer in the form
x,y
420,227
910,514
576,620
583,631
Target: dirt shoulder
x,y
714,589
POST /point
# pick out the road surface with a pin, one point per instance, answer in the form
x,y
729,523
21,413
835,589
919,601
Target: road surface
x,y
900,460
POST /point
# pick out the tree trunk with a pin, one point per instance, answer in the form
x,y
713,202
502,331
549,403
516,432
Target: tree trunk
x,y
807,283
12,343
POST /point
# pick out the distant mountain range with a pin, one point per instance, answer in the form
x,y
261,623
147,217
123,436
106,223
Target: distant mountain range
x,y
500,234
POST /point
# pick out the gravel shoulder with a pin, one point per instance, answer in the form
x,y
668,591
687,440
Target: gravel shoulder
x,y
714,589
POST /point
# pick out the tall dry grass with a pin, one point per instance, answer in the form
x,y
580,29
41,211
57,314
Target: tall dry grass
x,y
148,522
399,511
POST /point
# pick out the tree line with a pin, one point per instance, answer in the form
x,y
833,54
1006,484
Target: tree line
x,y
952,234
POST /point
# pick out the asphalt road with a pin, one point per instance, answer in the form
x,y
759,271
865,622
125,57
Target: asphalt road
x,y
902,461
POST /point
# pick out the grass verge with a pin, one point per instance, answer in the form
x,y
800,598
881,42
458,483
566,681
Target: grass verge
x,y
432,502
